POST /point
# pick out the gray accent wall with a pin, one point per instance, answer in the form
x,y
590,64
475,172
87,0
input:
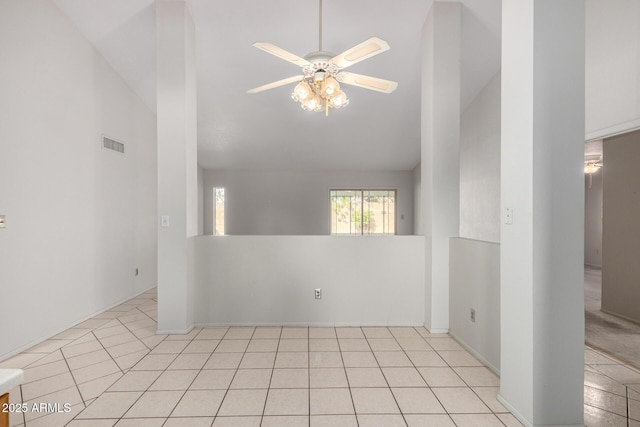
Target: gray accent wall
x,y
621,226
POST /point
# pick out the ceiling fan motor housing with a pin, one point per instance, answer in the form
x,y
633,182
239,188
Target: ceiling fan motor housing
x,y
320,63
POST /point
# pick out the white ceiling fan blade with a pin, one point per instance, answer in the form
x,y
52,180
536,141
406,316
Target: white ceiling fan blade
x,y
281,53
367,82
275,84
364,50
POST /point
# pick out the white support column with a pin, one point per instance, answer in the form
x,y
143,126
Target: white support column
x,y
440,154
542,183
177,164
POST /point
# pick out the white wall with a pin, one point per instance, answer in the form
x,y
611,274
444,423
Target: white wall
x,y
593,219
80,218
480,165
364,280
475,256
417,200
475,284
612,62
200,201
294,202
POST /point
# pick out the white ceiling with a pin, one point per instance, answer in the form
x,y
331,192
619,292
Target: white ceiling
x,y
268,130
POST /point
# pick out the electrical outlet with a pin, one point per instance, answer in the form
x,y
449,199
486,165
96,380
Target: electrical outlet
x,y
318,293
472,315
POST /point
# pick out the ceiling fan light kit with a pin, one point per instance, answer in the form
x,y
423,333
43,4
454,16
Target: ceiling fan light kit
x,y
319,88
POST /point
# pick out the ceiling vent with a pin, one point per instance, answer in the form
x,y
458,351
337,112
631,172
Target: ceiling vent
x,y
111,144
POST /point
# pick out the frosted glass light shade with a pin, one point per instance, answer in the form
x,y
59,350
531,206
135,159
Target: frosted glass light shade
x,y
302,91
330,87
339,100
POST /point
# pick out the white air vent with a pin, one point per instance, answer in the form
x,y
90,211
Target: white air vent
x,y
110,144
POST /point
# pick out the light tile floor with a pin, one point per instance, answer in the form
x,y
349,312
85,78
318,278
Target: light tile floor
x,y
113,370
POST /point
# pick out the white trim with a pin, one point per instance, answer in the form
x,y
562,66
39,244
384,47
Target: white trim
x,y
618,129
523,420
474,240
513,411
475,354
436,331
174,331
314,324
71,325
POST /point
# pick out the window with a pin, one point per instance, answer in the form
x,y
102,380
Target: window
x,y
218,211
363,212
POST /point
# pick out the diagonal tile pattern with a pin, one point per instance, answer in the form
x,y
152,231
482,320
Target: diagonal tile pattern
x,y
113,370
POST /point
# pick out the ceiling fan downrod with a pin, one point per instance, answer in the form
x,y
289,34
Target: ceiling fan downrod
x,y
320,26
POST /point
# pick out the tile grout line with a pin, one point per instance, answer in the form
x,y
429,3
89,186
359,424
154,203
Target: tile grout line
x,y
133,333
106,391
75,417
421,376
309,374
107,351
462,379
234,373
74,377
382,372
275,358
191,383
344,367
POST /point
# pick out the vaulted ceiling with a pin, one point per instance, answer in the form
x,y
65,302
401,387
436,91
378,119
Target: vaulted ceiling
x,y
268,130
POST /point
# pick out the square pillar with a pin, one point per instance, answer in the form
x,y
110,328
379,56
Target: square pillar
x,y
542,188
440,154
177,164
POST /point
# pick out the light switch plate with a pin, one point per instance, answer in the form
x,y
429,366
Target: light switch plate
x,y
164,221
508,216
2,221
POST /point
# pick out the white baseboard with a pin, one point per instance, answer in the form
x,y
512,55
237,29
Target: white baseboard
x,y
526,422
513,411
175,331
475,354
436,331
311,324
71,325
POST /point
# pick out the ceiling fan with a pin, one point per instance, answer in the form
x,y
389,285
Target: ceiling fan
x,y
322,72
